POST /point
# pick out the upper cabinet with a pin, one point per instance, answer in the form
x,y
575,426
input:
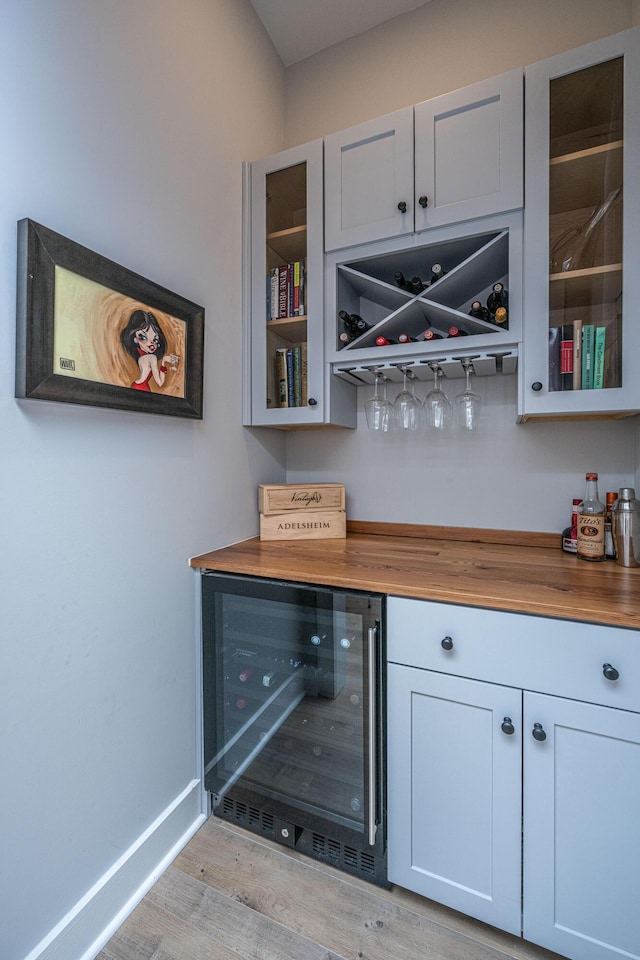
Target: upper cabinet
x,y
453,158
582,233
284,348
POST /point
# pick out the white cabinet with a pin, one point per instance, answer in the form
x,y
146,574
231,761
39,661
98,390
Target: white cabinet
x,y
482,702
465,161
582,232
284,364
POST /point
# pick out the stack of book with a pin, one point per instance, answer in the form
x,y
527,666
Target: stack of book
x,y
577,356
286,293
291,375
303,511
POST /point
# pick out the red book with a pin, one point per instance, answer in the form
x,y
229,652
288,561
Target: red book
x,y
566,357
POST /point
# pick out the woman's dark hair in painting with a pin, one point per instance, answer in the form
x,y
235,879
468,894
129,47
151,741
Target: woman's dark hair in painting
x,y
142,320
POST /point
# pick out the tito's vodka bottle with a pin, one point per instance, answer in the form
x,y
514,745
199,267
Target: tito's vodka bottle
x,y
591,512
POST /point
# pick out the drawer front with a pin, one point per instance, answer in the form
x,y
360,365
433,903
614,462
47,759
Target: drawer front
x,y
560,657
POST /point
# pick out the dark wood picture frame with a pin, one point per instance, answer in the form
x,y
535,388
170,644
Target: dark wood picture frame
x,y
40,251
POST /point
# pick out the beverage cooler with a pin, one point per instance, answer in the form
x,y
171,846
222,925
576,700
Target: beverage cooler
x,y
294,744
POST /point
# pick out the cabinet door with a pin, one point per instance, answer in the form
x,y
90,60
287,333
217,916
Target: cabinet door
x,y
454,792
581,836
468,152
369,180
582,232
285,360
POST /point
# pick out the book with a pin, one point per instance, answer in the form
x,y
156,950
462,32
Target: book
x,y
566,356
290,388
283,292
303,373
587,356
297,375
554,358
598,357
281,377
577,354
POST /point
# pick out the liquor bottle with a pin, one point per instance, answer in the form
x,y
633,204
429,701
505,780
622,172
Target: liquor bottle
x,y
479,312
570,534
353,323
436,272
501,317
457,332
405,338
431,334
383,342
609,548
591,511
497,298
399,278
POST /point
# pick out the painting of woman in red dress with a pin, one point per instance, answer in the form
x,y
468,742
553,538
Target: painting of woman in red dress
x,y
144,340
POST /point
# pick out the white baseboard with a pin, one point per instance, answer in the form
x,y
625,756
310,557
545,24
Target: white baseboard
x,y
82,933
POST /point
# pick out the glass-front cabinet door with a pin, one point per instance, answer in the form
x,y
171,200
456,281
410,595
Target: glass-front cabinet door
x,y
285,358
582,232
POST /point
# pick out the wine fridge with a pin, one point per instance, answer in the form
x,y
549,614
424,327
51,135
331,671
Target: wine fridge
x,y
294,745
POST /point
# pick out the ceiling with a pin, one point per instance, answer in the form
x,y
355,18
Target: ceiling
x,y
300,28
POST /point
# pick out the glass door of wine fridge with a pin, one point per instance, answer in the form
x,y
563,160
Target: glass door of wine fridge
x,y
293,726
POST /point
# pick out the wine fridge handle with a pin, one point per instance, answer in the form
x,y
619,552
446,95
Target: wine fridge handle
x,y
372,649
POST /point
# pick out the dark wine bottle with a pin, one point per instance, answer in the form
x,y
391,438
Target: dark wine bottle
x,y
501,317
405,338
383,342
416,285
431,334
436,272
479,312
345,338
400,279
353,323
245,674
457,332
497,298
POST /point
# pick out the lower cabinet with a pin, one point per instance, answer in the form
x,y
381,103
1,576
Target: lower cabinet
x,y
517,807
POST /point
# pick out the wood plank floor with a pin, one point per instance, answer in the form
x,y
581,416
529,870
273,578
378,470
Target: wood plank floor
x,y
232,896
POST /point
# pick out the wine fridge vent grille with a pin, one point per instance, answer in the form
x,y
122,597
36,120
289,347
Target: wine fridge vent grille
x,y
244,813
335,852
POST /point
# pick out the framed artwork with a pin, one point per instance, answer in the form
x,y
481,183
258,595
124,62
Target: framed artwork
x,y
92,332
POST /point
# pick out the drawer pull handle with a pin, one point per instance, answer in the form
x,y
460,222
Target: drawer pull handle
x,y
446,643
538,732
507,726
610,672
402,207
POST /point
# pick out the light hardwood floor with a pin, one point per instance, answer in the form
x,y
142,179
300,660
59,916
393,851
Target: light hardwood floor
x,y
232,896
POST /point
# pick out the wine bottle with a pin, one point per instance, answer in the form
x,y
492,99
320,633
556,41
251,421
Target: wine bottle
x,y
245,674
405,338
501,317
457,332
353,323
416,285
591,512
383,342
497,298
431,334
436,272
400,279
479,312
345,338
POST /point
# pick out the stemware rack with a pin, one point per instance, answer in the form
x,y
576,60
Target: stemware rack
x,y
452,365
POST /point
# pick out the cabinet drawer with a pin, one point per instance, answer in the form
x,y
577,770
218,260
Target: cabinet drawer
x,y
559,657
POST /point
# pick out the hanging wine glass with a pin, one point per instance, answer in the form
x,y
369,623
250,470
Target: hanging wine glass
x,y
468,403
438,410
407,408
377,408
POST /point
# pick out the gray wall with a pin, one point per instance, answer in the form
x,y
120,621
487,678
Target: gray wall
x,y
124,125
513,477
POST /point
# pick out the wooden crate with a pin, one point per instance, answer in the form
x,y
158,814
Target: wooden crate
x,y
307,525
282,497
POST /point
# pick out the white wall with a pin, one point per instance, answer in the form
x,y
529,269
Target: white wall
x,y
124,125
507,476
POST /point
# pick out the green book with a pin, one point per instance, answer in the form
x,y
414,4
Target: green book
x,y
588,336
598,357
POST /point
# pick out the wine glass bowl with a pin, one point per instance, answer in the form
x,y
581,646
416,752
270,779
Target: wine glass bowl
x,y
468,403
407,409
438,409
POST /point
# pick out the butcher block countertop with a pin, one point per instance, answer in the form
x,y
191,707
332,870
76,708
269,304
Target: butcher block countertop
x,y
480,568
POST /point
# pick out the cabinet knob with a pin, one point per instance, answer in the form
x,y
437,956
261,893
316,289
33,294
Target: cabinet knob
x,y
507,726
312,402
610,672
538,732
402,207
446,643
423,201
536,385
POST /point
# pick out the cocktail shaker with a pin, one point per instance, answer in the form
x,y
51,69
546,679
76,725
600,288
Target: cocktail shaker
x,y
625,524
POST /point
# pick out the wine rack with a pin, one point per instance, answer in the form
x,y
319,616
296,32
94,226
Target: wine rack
x,y
473,261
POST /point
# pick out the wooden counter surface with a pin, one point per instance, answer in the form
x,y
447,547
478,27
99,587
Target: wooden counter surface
x,y
479,568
